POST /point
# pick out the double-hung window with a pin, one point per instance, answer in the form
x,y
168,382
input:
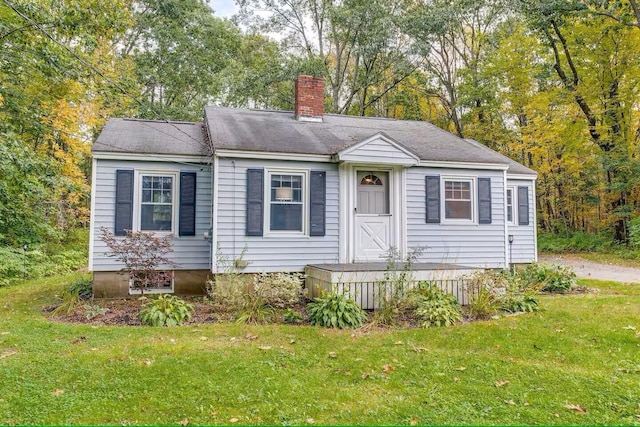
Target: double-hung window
x,y
458,199
157,204
510,205
286,202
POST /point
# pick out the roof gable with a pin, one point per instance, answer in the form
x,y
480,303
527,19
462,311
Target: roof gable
x,y
378,148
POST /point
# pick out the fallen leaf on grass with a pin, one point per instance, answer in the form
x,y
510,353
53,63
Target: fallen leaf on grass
x,y
388,368
418,349
413,422
501,383
184,422
310,421
631,328
333,354
398,343
264,347
5,333
510,402
8,353
213,413
461,368
233,420
79,340
577,408
250,337
58,392
203,338
556,415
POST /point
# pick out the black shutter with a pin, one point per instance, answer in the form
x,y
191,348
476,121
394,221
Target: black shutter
x,y
124,202
318,198
523,205
187,223
432,184
484,200
255,201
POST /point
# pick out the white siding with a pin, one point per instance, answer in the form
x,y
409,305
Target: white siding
x,y
476,245
189,252
265,253
524,236
378,151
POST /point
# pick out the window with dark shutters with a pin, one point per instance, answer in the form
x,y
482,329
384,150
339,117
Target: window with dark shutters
x,y
255,202
432,184
187,222
317,210
484,200
523,205
124,202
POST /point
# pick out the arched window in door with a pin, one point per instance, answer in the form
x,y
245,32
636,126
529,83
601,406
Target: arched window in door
x,y
371,180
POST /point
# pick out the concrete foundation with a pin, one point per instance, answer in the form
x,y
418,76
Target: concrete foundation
x,y
112,284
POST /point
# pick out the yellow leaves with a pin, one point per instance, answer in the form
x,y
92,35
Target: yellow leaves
x,y
184,422
58,392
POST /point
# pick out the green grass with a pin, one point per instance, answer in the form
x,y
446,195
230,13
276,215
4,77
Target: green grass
x,y
577,350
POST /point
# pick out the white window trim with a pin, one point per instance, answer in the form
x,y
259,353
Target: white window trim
x,y
305,202
137,291
514,205
137,199
473,180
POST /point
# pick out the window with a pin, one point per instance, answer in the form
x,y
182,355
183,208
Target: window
x,y
458,204
286,202
510,205
156,202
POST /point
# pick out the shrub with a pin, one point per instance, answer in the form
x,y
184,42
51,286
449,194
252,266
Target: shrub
x,y
228,290
553,278
333,310
634,232
571,242
254,309
292,317
483,288
166,310
518,302
143,254
436,307
82,287
278,289
70,300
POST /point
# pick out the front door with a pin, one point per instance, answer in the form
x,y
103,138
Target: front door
x,y
373,233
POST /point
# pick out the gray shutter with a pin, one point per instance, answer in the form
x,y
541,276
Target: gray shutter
x,y
484,200
255,201
432,184
124,202
187,222
523,205
318,199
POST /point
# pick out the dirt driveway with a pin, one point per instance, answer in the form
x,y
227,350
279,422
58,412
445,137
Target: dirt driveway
x,y
594,270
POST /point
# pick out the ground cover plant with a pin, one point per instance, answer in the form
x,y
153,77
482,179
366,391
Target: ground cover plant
x,y
573,362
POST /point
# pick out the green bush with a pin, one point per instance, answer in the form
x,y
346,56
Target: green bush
x,y
333,310
82,287
278,290
634,232
166,310
483,288
228,291
35,263
518,302
553,278
435,307
92,311
574,242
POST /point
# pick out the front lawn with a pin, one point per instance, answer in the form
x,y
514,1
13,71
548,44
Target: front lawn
x,y
575,362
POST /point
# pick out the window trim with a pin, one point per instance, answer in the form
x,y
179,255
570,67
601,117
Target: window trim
x,y
137,199
472,180
514,205
305,174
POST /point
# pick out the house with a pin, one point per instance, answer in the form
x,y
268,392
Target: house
x,y
289,190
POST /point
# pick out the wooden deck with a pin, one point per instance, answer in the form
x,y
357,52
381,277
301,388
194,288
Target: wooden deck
x,y
361,281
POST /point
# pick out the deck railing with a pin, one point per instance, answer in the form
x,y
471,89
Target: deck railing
x,y
369,294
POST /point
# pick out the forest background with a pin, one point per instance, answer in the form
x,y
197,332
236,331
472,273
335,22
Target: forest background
x,y
553,84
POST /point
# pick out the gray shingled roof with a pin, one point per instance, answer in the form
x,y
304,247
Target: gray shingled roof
x,y
278,131
152,137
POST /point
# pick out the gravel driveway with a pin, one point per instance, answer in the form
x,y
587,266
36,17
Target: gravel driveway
x,y
594,270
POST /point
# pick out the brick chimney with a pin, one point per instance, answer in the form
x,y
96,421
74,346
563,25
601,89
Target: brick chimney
x,y
309,98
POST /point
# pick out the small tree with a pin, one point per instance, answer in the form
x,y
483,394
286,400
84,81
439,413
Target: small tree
x,y
143,254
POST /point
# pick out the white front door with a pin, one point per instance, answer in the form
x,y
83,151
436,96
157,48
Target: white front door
x,y
373,220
